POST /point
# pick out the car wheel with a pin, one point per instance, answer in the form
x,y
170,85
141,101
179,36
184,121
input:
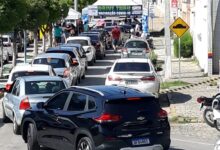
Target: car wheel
x,y
32,143
5,119
16,127
85,143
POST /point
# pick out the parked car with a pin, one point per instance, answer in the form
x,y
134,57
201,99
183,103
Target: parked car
x,y
25,92
80,50
7,40
72,51
87,46
106,36
136,73
136,47
97,41
97,118
62,64
28,70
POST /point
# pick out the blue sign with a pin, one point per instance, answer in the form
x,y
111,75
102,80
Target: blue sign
x,y
145,24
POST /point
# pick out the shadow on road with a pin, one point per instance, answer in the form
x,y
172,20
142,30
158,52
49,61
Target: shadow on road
x,y
1,122
96,71
92,81
176,97
172,148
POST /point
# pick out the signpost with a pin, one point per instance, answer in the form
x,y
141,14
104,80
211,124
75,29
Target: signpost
x,y
179,27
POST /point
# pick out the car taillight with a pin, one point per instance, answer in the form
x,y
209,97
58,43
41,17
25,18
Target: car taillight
x,y
7,87
124,50
150,78
66,73
200,99
162,114
114,78
24,104
134,99
108,118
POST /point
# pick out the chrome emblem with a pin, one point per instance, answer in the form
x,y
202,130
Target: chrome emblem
x,y
141,118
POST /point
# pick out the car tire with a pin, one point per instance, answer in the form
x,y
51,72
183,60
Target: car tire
x,y
16,127
32,143
85,143
208,117
5,119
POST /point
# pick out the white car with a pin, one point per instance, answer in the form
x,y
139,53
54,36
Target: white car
x,y
135,48
137,73
62,64
87,46
28,70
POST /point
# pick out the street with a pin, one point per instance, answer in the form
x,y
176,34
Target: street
x,y
96,76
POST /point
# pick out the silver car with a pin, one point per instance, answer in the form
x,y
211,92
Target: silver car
x,y
25,93
62,65
136,48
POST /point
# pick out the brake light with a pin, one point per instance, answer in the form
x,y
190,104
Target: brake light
x,y
200,99
108,118
24,105
114,78
162,114
7,87
150,78
134,99
66,73
124,50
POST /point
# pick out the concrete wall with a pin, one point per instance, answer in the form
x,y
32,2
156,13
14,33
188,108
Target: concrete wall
x,y
200,33
216,35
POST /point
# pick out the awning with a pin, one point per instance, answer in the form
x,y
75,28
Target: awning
x,y
73,15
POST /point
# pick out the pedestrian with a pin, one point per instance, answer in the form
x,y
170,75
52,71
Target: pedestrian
x,y
57,33
116,33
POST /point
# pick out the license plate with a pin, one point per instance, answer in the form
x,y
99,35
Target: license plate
x,y
137,54
140,141
131,82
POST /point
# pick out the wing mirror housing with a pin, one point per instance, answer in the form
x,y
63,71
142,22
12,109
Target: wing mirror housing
x,y
75,63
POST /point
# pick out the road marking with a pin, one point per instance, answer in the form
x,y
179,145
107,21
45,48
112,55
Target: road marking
x,y
111,61
98,67
96,76
193,142
107,55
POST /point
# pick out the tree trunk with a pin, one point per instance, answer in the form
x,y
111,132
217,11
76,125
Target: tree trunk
x,y
44,42
50,38
15,50
1,56
35,43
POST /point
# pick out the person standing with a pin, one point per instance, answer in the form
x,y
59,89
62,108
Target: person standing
x,y
57,34
116,33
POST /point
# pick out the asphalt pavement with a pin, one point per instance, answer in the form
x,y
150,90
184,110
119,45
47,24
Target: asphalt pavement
x,y
96,76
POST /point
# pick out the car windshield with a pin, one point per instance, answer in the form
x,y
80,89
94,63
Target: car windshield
x,y
136,44
54,62
43,87
63,51
82,42
28,73
131,67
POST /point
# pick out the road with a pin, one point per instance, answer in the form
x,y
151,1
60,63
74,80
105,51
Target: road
x,y
96,76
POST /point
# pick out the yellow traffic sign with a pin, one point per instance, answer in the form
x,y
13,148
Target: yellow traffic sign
x,y
179,27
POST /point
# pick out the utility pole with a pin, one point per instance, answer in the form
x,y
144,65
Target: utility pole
x,y
76,5
168,65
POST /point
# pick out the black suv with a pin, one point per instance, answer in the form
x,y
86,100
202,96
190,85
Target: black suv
x,y
97,118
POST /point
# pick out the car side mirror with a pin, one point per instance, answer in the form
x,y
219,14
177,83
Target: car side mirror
x,y
158,69
41,105
75,63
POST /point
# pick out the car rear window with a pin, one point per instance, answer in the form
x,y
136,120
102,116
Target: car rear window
x,y
136,44
82,42
43,87
54,62
148,105
63,51
30,73
131,67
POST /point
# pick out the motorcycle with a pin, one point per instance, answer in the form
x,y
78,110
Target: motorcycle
x,y
208,111
216,112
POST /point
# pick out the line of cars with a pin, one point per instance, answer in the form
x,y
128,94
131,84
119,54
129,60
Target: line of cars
x,y
49,113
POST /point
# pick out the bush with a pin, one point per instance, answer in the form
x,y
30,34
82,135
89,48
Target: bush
x,y
186,46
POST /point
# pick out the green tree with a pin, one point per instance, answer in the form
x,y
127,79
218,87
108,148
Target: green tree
x,y
11,13
82,3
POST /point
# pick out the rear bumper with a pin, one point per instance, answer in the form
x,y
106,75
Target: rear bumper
x,y
125,144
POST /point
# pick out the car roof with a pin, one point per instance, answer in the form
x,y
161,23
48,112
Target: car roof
x,y
61,47
78,38
139,60
41,78
71,45
31,68
116,92
136,39
52,55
